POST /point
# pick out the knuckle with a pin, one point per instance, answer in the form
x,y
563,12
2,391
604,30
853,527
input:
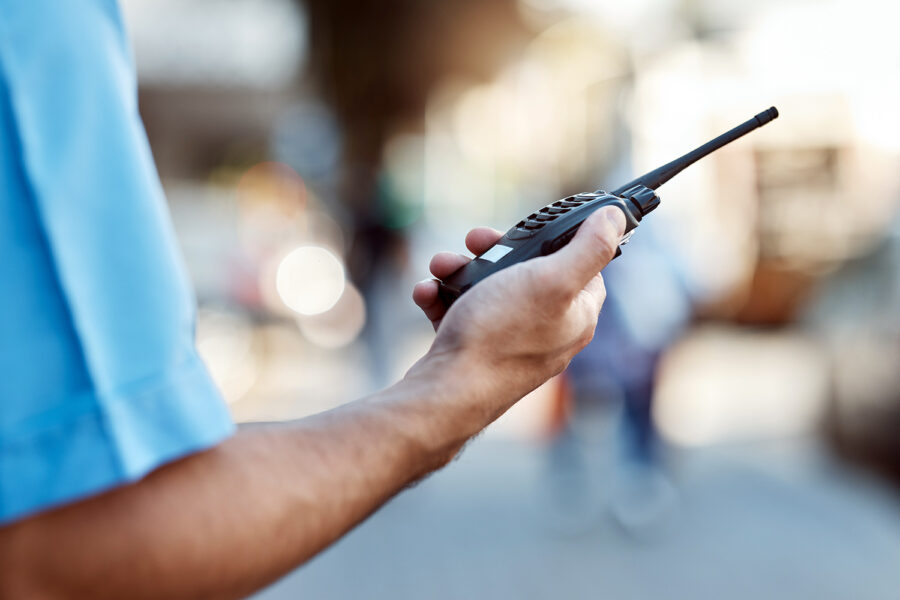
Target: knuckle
x,y
584,325
596,304
591,303
587,330
586,336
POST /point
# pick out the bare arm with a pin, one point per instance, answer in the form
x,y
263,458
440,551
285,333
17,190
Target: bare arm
x,y
225,522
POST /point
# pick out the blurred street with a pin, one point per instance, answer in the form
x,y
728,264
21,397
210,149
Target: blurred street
x,y
289,227
752,521
731,431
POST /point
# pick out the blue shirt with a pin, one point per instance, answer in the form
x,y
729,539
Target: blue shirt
x,y
100,381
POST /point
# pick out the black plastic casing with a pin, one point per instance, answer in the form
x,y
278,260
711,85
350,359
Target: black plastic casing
x,y
544,232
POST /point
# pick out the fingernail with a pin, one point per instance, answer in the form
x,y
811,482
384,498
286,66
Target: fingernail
x,y
616,217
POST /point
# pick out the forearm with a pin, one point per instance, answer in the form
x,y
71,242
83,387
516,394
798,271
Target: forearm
x,y
225,522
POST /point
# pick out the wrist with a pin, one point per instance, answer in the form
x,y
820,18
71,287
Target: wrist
x,y
453,377
496,380
454,395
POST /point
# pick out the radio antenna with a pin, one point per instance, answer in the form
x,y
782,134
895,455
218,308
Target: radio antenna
x,y
659,176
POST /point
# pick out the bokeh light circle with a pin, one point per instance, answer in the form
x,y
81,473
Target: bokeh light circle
x,y
310,280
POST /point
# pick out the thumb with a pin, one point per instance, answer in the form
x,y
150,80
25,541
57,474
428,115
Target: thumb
x,y
590,250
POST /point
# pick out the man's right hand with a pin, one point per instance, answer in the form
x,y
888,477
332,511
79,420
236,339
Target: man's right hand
x,y
522,325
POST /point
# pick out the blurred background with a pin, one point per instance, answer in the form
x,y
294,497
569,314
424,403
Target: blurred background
x,y
734,428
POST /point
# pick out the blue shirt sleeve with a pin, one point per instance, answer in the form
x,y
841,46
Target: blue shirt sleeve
x,y
99,377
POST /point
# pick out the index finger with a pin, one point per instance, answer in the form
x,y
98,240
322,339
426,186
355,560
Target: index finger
x,y
480,239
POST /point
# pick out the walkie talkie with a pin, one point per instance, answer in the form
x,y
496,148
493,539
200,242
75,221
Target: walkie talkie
x,y
547,230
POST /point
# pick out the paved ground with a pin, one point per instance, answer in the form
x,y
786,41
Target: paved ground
x,y
750,522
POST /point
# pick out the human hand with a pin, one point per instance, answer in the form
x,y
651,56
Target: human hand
x,y
522,325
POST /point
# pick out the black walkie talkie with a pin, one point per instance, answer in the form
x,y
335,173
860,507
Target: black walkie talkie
x,y
547,230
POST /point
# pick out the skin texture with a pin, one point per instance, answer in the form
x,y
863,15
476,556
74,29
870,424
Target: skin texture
x,y
226,522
